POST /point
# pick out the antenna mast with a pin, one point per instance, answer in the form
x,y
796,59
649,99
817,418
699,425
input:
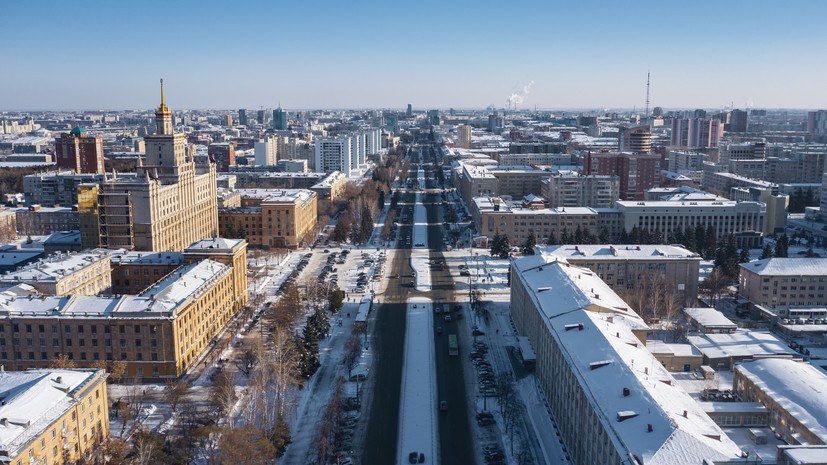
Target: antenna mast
x,y
647,93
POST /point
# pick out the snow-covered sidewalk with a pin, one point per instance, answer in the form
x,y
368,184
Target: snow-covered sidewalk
x,y
417,408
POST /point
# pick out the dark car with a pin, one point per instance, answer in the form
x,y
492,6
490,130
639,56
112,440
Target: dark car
x,y
443,405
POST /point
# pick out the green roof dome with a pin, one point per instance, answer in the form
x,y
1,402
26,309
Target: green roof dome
x,y
77,131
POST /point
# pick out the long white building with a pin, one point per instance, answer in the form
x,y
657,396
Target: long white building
x,y
615,403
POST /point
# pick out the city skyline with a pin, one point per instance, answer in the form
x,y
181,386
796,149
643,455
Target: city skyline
x,y
372,55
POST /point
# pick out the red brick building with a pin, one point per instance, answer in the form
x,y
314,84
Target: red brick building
x,y
223,155
637,172
79,152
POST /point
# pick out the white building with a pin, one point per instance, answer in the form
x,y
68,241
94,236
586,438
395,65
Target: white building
x,y
574,190
334,155
615,403
739,218
265,151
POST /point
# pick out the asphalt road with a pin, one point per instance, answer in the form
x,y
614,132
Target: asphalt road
x,y
456,444
389,343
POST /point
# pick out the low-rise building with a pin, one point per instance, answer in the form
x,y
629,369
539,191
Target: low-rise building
x,y
331,187
42,221
709,320
155,335
780,284
271,217
722,350
68,273
743,219
792,391
520,220
600,380
627,267
675,357
52,416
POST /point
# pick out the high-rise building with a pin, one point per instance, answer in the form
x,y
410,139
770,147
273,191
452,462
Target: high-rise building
x,y
228,120
817,122
223,155
495,123
357,150
695,132
265,151
738,121
169,205
637,172
464,136
635,139
261,117
334,155
279,119
410,111
433,117
242,117
79,152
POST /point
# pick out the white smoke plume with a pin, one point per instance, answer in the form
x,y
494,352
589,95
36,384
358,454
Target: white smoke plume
x,y
518,97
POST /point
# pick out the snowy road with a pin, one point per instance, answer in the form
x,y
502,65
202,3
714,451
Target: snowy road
x,y
418,409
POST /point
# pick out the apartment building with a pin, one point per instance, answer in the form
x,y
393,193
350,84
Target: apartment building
x,y
571,189
223,155
36,220
782,284
85,273
637,172
334,155
519,220
52,416
56,187
170,204
292,166
614,402
635,139
722,181
518,181
743,219
475,181
627,267
464,136
696,132
742,151
787,388
156,335
685,161
272,218
265,151
79,152
553,148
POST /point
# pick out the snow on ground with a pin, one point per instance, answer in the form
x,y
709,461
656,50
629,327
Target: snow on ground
x,y
418,408
420,225
420,262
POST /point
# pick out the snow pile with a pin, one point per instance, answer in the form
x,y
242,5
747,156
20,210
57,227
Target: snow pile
x,y
418,403
420,225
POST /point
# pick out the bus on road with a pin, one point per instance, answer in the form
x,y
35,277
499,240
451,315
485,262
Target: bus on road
x,y
453,348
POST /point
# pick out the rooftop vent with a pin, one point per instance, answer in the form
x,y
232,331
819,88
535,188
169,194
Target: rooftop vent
x,y
626,392
601,363
649,427
543,289
624,415
574,326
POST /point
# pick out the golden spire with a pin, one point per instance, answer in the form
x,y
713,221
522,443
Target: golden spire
x,y
163,107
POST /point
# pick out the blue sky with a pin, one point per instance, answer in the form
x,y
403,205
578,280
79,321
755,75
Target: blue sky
x,y
462,54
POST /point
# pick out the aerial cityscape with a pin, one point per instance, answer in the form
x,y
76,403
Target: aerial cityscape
x,y
459,234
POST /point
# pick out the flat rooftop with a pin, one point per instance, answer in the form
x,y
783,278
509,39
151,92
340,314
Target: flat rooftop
x,y
788,267
617,252
55,267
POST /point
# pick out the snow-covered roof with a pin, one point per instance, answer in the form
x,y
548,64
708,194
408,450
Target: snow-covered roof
x,y
559,287
797,387
615,252
682,433
709,317
56,267
277,195
215,243
34,399
164,297
740,343
658,347
151,257
788,267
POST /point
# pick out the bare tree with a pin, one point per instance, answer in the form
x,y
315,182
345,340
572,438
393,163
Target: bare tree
x,y
223,395
353,349
714,285
176,393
